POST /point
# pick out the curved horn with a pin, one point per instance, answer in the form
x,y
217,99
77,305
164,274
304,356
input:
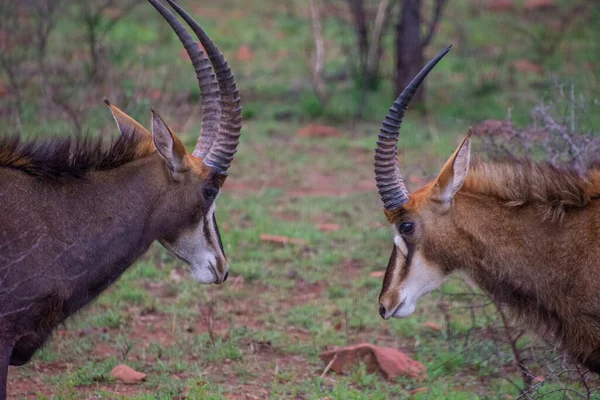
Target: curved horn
x,y
391,187
209,90
221,154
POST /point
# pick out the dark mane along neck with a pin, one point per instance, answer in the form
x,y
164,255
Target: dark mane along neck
x,y
553,189
58,157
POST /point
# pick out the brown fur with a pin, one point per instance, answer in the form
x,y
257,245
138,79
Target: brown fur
x,y
529,235
550,189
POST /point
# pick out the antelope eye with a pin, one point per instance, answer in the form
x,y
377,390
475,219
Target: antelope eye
x,y
406,227
210,193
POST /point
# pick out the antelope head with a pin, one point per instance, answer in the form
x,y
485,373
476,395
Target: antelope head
x,y
419,220
196,179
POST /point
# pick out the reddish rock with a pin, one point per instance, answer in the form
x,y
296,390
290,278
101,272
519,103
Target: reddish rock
x,y
501,6
317,130
127,375
391,363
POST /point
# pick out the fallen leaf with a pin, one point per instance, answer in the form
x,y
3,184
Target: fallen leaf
x,y
328,227
391,363
265,237
377,274
317,130
127,374
434,326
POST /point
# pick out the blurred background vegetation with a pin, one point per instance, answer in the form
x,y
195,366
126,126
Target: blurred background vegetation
x,y
316,78
59,57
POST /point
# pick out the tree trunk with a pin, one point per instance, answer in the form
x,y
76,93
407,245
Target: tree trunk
x,y
409,48
359,14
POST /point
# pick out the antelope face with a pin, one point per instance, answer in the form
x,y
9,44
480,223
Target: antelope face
x,y
195,237
417,219
199,243
194,180
409,275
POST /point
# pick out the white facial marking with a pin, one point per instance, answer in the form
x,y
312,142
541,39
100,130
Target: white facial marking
x,y
422,278
204,257
399,242
192,247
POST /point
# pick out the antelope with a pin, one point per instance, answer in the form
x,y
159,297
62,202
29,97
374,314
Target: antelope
x,y
75,213
527,233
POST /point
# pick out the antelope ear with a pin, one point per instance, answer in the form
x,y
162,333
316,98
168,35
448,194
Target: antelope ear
x,y
454,172
127,125
169,146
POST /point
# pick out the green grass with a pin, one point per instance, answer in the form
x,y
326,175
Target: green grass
x,y
284,304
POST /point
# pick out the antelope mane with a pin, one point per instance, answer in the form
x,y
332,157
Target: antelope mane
x,y
553,189
74,157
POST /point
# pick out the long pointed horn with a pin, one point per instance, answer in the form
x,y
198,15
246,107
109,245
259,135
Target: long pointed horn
x,y
228,136
209,90
392,189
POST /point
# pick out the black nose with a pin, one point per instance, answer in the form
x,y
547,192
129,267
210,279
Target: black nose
x,y
226,276
382,311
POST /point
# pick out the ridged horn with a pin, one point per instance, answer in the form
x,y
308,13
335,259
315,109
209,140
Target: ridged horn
x,y
209,89
221,154
390,184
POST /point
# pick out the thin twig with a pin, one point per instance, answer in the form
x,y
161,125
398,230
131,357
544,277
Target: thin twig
x,y
328,367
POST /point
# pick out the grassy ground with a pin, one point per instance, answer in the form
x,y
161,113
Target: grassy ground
x,y
259,335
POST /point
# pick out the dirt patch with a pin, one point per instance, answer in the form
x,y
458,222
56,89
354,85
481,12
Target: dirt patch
x,y
353,268
319,184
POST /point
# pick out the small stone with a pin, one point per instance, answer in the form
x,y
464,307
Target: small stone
x,y
390,362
